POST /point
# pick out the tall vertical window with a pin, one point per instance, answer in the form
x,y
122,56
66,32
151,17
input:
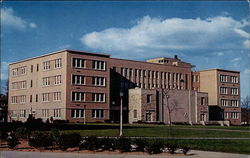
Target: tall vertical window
x,y
223,90
45,113
135,113
223,78
203,101
57,80
78,96
78,80
22,98
234,103
78,63
31,68
23,70
14,99
14,72
45,97
46,65
31,98
98,97
46,81
31,83
98,65
57,113
235,115
36,97
234,79
234,91
22,113
148,98
14,85
57,96
58,63
97,113
225,115
23,84
98,81
37,67
77,113
224,102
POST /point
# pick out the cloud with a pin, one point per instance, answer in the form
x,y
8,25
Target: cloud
x,y
9,19
4,70
161,35
236,59
220,53
247,71
66,46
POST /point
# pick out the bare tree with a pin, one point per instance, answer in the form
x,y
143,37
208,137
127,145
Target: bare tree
x,y
245,103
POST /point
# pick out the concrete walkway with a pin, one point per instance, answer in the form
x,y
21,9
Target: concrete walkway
x,y
192,154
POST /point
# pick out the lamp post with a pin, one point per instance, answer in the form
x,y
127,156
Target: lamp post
x,y
121,95
84,115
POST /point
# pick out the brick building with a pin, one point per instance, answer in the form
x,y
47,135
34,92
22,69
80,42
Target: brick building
x,y
82,86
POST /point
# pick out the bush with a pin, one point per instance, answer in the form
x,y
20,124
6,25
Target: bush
x,y
39,139
155,147
22,132
185,149
108,144
124,144
172,148
55,135
3,134
90,143
69,140
12,140
141,144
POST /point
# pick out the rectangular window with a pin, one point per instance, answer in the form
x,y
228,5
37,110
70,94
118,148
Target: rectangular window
x,y
234,91
78,80
31,68
46,81
98,65
78,63
234,103
57,80
223,90
14,72
135,113
57,96
31,98
203,101
22,113
23,84
37,67
57,113
45,97
148,98
58,63
46,65
36,97
235,115
45,113
98,81
14,113
225,115
14,85
31,83
234,79
22,98
23,70
97,113
78,96
224,102
14,99
223,78
98,97
77,113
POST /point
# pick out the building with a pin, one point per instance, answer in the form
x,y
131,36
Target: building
x,y
223,88
84,87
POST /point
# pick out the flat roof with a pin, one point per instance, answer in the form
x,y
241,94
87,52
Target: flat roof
x,y
216,69
60,51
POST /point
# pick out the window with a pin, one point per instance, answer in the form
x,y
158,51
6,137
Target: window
x,y
225,115
135,113
203,101
223,78
234,103
37,67
78,80
14,99
234,79
78,63
22,98
31,83
148,98
77,113
45,97
57,96
46,81
97,113
58,80
234,115
23,84
31,68
98,97
46,65
57,113
14,113
122,71
14,85
58,63
223,90
23,70
36,97
78,96
14,72
98,81
22,113
224,102
45,113
234,91
98,65
31,98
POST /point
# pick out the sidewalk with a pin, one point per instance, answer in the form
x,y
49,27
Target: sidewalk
x,y
192,154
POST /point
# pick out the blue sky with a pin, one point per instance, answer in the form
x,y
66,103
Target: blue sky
x,y
207,34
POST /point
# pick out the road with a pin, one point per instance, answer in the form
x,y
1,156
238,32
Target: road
x,y
192,154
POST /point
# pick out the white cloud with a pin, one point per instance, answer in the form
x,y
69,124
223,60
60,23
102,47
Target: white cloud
x,y
220,53
247,71
8,18
154,34
236,59
64,46
4,70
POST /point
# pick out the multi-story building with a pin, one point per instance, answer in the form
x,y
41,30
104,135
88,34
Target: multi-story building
x,y
82,86
223,88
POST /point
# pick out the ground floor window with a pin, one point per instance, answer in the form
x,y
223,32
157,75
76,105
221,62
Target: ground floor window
x,y
57,112
97,113
135,113
22,113
203,117
77,113
235,115
45,113
148,116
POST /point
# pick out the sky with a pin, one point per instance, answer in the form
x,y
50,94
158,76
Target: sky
x,y
208,34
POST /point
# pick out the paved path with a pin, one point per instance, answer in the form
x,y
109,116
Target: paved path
x,y
215,129
193,154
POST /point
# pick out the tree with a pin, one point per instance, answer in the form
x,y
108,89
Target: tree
x,y
245,103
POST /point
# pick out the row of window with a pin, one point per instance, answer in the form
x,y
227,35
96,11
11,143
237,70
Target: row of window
x,y
56,96
225,102
80,80
80,113
225,90
19,85
80,97
234,115
57,80
81,63
226,78
19,71
57,64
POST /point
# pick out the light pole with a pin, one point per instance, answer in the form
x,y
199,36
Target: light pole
x,y
121,95
84,115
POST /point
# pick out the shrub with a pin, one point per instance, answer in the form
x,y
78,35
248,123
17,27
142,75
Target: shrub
x,y
172,148
55,135
40,139
3,134
90,143
12,140
155,147
124,144
69,140
22,132
185,149
141,144
108,144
